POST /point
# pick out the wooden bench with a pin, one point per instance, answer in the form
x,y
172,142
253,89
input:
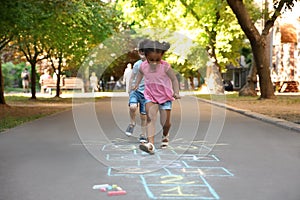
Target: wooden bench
x,y
47,85
287,86
71,83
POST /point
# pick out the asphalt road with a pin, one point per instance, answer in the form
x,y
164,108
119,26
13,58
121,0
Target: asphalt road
x,y
214,154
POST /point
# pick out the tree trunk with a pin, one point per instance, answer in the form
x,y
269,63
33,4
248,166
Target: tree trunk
x,y
2,99
263,69
58,76
192,82
258,43
219,86
32,59
199,79
249,88
214,79
58,83
33,81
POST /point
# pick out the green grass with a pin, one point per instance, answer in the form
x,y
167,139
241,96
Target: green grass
x,y
22,109
10,122
15,99
10,89
27,100
288,99
18,111
225,97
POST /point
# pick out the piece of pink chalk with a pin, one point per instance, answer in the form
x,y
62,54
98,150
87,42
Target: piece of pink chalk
x,y
115,193
103,189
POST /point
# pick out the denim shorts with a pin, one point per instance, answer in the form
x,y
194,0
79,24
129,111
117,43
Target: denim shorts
x,y
163,106
136,97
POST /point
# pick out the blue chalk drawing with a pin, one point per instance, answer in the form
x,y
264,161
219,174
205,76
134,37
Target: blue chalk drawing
x,y
177,187
169,174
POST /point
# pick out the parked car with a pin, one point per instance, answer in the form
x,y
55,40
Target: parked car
x,y
228,86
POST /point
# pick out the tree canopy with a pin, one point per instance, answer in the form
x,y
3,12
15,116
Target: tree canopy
x,y
56,29
209,24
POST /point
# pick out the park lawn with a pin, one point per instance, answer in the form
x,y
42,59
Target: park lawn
x,y
20,109
285,107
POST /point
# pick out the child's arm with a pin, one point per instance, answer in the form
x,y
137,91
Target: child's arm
x,y
130,81
138,80
175,83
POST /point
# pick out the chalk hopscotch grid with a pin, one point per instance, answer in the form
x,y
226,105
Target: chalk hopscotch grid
x,y
211,194
165,168
194,171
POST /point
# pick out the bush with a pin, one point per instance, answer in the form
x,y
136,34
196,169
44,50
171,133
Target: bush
x,y
12,74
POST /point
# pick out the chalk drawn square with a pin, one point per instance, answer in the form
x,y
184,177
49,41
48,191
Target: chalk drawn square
x,y
185,147
123,157
135,171
119,147
201,171
173,179
198,160
176,157
189,157
162,163
178,187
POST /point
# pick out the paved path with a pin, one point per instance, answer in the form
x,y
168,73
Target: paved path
x,y
214,154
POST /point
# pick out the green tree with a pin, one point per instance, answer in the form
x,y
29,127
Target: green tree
x,y
56,30
210,23
79,27
111,56
259,41
8,18
12,74
31,34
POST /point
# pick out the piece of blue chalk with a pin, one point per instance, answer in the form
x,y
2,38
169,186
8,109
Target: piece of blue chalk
x,y
109,187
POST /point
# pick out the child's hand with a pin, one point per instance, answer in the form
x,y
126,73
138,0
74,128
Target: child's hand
x,y
176,96
134,87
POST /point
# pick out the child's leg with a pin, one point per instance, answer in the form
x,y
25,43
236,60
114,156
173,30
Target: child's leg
x,y
132,112
165,121
133,106
151,110
143,117
143,124
165,116
24,86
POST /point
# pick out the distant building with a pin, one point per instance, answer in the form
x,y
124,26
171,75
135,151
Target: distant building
x,y
236,75
285,59
285,69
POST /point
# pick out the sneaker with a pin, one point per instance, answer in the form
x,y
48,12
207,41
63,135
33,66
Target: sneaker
x,y
143,139
148,148
129,130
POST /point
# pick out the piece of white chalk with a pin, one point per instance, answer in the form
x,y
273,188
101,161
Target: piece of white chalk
x,y
97,187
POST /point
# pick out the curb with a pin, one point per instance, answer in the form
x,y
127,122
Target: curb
x,y
272,120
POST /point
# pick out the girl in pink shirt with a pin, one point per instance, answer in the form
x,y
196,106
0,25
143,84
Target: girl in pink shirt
x,y
161,88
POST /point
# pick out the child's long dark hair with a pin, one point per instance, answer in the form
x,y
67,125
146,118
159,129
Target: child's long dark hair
x,y
155,46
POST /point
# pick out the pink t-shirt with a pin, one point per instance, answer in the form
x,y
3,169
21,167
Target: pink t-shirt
x,y
158,85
